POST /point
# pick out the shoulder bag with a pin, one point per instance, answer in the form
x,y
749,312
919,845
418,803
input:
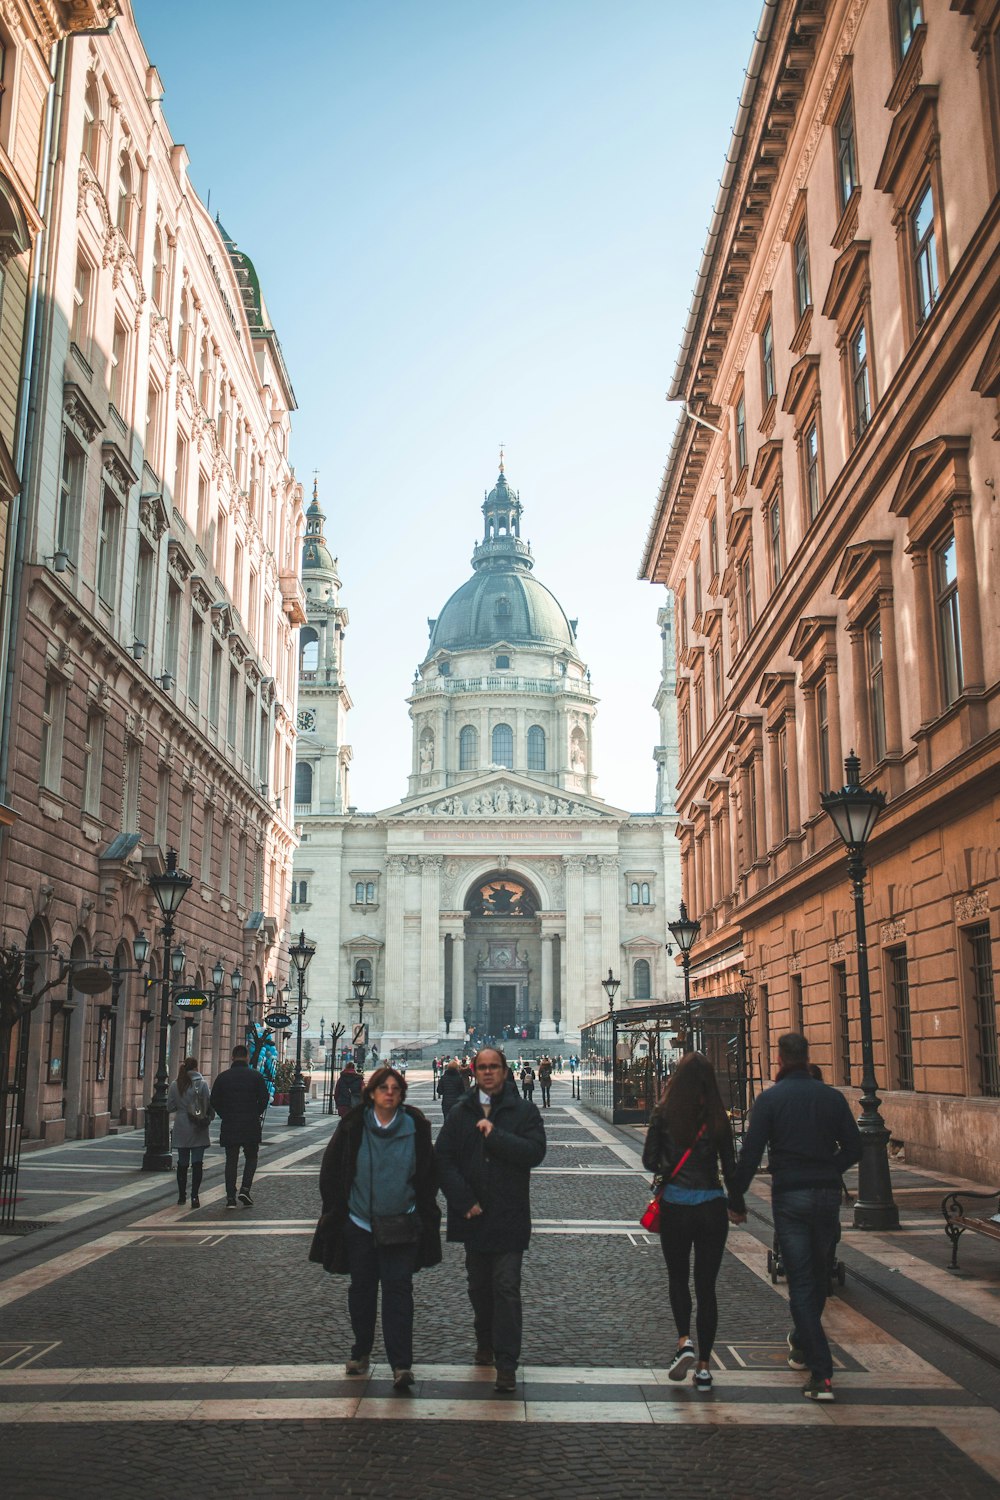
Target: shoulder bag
x,y
651,1218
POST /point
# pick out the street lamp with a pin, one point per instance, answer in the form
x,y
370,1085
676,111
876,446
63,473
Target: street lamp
x,y
611,986
170,888
685,934
854,811
140,949
361,984
300,954
270,990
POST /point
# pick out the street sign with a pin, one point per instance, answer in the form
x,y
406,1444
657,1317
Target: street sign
x,y
277,1018
359,1035
191,1000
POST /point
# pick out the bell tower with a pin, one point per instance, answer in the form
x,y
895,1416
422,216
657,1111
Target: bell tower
x,y
322,756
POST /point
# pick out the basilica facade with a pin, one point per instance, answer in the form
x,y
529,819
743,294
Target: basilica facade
x,y
497,895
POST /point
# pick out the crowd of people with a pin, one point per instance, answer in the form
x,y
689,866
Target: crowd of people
x,y
381,1175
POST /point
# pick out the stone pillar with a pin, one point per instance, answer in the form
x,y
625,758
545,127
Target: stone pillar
x,y
836,740
716,828
443,972
859,673
548,1031
792,752
611,948
574,995
890,674
760,810
970,623
926,659
458,983
726,836
775,830
811,766
431,997
395,882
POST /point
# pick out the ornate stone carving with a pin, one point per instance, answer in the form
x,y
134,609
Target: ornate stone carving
x,y
975,905
507,802
892,932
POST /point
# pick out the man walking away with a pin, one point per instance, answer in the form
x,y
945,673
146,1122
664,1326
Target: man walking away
x,y
451,1086
240,1097
812,1138
347,1092
485,1151
528,1081
545,1080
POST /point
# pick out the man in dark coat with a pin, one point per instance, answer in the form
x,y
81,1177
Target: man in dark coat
x,y
347,1092
451,1086
485,1152
239,1098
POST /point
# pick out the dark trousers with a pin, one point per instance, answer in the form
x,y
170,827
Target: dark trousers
x,y
702,1227
546,1095
495,1294
250,1153
391,1267
807,1223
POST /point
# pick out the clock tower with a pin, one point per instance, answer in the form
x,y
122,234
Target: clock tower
x,y
322,758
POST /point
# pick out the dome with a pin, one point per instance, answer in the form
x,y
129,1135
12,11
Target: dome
x,y
502,605
502,601
315,553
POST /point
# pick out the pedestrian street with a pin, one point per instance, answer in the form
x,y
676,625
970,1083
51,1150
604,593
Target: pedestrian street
x,y
140,1335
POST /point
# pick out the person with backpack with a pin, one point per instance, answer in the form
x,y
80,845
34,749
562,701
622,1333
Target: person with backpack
x,y
528,1081
188,1099
689,1137
240,1096
347,1092
451,1086
545,1079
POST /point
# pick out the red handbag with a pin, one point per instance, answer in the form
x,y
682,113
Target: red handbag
x,y
651,1218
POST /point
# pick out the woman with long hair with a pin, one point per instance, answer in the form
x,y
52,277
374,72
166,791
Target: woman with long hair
x,y
381,1221
688,1140
188,1100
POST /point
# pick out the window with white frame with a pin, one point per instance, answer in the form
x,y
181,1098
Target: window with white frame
x,y
108,543
642,987
468,748
71,491
948,618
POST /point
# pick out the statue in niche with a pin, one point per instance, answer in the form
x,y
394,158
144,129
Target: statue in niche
x,y
427,755
502,800
577,759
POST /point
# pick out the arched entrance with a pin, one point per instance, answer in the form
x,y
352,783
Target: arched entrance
x,y
503,940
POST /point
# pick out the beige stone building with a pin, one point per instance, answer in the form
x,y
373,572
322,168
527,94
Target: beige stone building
x,y
156,608
828,527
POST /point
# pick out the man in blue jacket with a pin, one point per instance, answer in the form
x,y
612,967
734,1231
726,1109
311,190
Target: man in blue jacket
x,y
487,1147
812,1139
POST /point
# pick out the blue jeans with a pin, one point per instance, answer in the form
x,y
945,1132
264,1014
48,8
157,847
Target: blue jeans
x,y
807,1222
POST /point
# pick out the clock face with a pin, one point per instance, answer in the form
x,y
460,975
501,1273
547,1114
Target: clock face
x,y
306,720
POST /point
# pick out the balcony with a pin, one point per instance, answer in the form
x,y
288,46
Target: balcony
x,y
499,682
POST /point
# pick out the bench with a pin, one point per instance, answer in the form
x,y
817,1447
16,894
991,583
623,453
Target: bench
x,y
960,1214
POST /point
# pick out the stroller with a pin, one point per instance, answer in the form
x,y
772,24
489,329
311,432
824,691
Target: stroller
x,y
836,1271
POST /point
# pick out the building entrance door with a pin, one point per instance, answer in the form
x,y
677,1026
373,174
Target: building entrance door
x,y
503,1006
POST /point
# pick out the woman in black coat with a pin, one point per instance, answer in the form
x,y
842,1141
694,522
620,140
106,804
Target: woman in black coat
x,y
380,1164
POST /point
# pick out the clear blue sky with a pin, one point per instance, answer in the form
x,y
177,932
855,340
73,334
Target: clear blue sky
x,y
472,223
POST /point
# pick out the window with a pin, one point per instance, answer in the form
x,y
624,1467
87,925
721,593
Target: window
x,y
173,629
92,125
843,1022
800,263
152,444
194,658
899,987
847,155
823,734
74,469
696,586
639,893
215,683
764,1022
185,340
142,613
226,859
644,893
746,594
107,546
641,985
51,747
774,547
83,306
222,421
536,748
768,385
861,399
364,893
980,960
233,707
187,822
252,595
159,286
180,472
909,15
117,382
924,249
716,665
781,751
249,724
713,543
633,893
810,464
303,786
207,842
948,620
308,651
876,688
699,709
162,824
502,663
741,433
93,764
795,1004
363,970
468,749
750,822
503,746
133,776
128,197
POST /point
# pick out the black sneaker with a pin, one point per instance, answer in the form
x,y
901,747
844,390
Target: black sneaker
x,y
506,1382
245,1198
402,1379
681,1362
819,1389
702,1380
195,1201
796,1359
483,1356
231,1203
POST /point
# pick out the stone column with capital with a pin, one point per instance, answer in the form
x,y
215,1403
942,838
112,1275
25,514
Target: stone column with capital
x,y
574,996
458,983
395,879
548,1030
431,987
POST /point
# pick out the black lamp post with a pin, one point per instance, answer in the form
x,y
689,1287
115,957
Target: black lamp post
x,y
170,888
611,986
362,989
300,954
854,811
685,934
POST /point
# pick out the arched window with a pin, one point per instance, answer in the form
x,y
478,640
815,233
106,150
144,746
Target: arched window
x,y
536,748
92,125
370,891
633,893
468,749
503,746
641,989
308,651
303,784
645,893
363,969
186,333
359,893
300,892
159,287
205,378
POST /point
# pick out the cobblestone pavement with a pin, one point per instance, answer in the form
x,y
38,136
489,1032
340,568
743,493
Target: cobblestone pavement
x,y
137,1335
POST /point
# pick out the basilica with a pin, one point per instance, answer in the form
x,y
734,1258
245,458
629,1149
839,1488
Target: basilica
x,y
499,893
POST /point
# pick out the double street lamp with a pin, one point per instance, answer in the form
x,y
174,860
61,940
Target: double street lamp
x,y
854,811
685,934
300,954
169,888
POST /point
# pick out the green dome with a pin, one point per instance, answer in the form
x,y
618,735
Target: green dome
x,y
502,601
